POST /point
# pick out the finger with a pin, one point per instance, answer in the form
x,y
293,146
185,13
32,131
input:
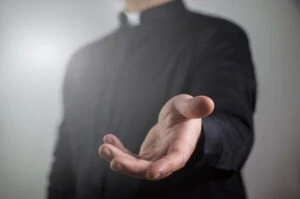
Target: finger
x,y
109,152
113,140
202,106
136,168
123,162
194,107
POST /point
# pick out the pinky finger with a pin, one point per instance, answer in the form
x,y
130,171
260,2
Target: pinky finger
x,y
132,167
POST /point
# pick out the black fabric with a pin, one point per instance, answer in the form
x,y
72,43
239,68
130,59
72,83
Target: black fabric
x,y
118,85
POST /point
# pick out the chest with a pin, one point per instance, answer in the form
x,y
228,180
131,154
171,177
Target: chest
x,y
123,88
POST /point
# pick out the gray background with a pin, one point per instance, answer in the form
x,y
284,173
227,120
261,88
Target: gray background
x,y
37,38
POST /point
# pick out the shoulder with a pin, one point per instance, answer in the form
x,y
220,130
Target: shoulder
x,y
84,57
93,48
212,28
83,60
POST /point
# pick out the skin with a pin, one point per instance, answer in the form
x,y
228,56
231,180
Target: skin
x,y
168,145
140,5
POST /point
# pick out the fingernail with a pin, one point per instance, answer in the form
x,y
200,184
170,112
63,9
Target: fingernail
x,y
118,167
157,176
109,140
106,153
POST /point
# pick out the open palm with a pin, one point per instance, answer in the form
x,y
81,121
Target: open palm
x,y
167,146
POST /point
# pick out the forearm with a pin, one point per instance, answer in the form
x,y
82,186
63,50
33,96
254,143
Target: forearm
x,y
226,142
227,76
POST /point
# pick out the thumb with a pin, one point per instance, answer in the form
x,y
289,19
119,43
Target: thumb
x,y
194,107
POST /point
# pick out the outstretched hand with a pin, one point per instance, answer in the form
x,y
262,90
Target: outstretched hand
x,y
168,145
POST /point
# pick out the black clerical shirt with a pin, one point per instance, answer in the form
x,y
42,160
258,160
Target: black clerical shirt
x,y
118,85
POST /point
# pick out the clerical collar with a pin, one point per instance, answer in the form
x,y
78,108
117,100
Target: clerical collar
x,y
157,13
133,18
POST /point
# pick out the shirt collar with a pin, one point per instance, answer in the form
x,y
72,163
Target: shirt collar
x,y
166,10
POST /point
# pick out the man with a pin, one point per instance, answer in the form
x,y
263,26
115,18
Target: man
x,y
152,83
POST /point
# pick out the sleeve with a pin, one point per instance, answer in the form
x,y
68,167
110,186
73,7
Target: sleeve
x,y
61,179
61,184
226,74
